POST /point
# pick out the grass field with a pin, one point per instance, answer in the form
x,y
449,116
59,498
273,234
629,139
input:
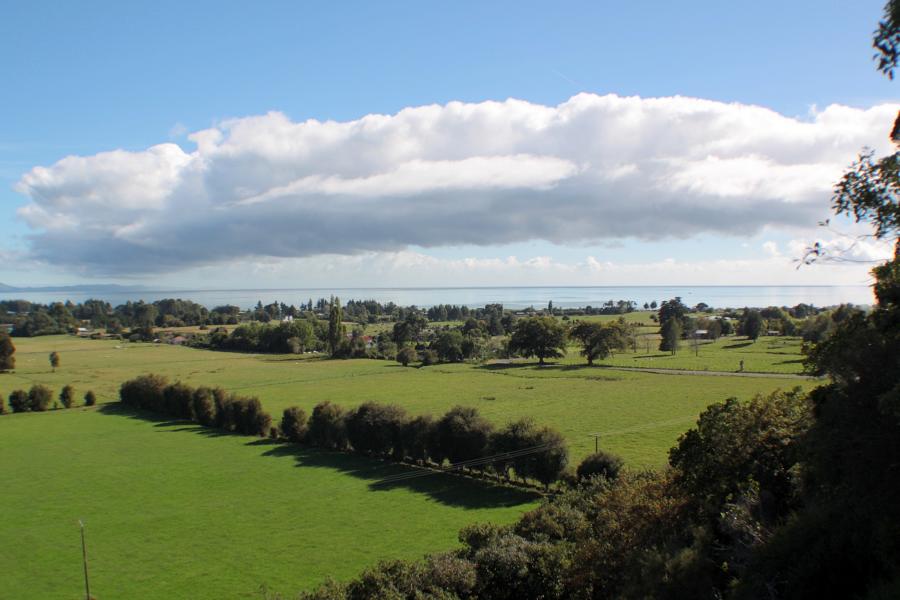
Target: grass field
x,y
175,511
639,414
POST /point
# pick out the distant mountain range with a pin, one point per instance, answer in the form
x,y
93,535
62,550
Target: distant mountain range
x,y
106,287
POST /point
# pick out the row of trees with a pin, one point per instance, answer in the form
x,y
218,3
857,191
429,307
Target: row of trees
x,y
210,407
461,435
40,397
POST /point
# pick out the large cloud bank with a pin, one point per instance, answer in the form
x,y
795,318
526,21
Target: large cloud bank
x,y
593,168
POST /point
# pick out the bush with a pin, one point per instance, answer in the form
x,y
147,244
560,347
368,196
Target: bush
x,y
293,424
326,426
600,464
67,396
202,408
416,437
145,392
18,401
178,399
429,357
39,397
376,429
461,434
90,399
252,420
407,355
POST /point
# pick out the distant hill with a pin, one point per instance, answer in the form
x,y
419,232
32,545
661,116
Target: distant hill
x,y
107,287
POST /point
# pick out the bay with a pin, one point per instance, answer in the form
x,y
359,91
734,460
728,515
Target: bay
x,y
512,297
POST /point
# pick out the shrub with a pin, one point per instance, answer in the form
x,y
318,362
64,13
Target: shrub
x,y
90,399
407,355
461,434
2,406
145,392
18,401
600,464
67,396
326,426
250,418
178,399
39,397
202,407
416,437
429,357
293,424
376,429
224,417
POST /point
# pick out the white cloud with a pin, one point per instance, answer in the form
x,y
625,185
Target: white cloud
x,y
593,169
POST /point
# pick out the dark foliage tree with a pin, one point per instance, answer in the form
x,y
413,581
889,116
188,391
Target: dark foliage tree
x,y
515,436
449,346
462,434
406,355
599,341
416,436
39,397
203,408
90,399
670,336
178,399
7,352
18,401
751,324
544,337
600,464
67,396
326,426
336,329
293,424
376,429
551,461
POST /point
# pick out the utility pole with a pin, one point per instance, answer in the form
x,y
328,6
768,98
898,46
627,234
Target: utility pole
x,y
87,585
596,437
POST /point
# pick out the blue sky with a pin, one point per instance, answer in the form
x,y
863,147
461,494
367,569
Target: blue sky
x,y
90,77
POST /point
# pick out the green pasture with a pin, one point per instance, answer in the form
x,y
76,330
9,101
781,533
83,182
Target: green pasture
x,y
766,355
176,511
639,415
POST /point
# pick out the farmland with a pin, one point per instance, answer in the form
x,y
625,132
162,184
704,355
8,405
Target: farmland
x,y
639,414
176,510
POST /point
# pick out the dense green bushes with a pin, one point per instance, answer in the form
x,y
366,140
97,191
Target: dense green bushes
x,y
205,406
39,397
461,437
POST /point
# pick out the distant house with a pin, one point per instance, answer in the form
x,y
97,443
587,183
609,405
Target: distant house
x,y
773,332
178,340
287,319
701,333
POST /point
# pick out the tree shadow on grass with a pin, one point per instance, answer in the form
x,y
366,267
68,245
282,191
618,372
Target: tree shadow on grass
x,y
737,345
452,490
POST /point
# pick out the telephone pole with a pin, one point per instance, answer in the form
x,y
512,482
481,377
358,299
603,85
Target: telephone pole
x,y
87,585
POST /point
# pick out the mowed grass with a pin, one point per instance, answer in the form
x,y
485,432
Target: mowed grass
x,y
175,511
639,415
